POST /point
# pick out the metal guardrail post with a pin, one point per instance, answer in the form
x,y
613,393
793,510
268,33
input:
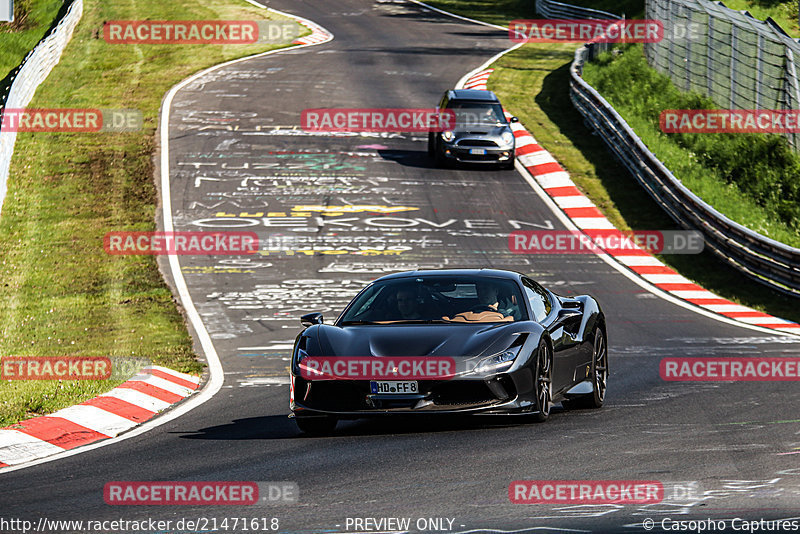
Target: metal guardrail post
x,y
732,73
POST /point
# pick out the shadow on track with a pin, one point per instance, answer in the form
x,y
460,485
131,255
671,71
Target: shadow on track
x,y
281,427
420,159
408,158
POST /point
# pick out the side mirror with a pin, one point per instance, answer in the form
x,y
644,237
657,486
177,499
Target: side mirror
x,y
513,119
310,319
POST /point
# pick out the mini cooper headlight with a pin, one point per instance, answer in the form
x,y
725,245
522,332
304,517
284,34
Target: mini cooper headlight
x,y
507,137
448,136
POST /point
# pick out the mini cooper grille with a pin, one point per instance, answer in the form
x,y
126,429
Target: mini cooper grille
x,y
476,142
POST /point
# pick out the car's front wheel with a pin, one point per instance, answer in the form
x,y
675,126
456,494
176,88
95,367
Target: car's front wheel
x,y
316,425
543,382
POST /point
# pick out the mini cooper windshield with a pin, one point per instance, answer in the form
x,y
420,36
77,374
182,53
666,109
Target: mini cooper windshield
x,y
437,299
469,114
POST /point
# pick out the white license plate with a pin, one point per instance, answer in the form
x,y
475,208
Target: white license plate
x,y
394,387
479,151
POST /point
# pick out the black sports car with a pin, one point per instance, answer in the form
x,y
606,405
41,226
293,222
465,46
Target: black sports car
x,y
449,341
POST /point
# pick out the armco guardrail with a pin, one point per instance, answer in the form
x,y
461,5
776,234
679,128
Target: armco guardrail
x,y
557,10
765,260
32,71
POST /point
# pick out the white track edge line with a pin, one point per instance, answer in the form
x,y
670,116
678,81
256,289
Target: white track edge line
x,y
215,365
484,66
488,24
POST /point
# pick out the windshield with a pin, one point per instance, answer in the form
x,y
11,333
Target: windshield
x,y
437,299
477,114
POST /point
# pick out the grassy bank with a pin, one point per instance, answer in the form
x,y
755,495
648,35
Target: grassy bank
x,y
533,82
60,293
784,12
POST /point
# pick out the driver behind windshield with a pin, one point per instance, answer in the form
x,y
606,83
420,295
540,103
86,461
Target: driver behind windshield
x,y
487,308
407,299
469,116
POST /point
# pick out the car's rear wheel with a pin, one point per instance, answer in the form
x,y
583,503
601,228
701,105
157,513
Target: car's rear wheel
x,y
543,383
599,375
316,425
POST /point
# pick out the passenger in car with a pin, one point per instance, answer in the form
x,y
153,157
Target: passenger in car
x,y
486,311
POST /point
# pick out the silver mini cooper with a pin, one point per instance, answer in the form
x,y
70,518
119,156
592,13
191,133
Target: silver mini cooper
x,y
482,134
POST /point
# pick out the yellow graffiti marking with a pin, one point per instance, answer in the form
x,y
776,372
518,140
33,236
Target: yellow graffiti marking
x,y
350,208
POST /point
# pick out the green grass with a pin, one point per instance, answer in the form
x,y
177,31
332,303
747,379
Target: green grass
x,y
32,19
784,12
533,83
60,293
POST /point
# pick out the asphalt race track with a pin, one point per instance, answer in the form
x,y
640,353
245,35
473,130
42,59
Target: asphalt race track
x,y
332,213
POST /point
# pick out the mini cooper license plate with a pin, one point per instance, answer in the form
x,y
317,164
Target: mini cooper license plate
x,y
394,387
477,151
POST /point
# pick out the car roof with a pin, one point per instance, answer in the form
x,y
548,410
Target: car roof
x,y
477,273
477,95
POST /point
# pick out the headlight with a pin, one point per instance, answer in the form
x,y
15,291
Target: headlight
x,y
498,362
448,136
507,137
